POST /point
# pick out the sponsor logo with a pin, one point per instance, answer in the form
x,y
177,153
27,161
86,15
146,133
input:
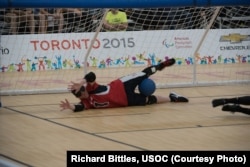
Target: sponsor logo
x,y
234,38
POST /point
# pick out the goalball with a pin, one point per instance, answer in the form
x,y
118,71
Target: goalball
x,y
147,87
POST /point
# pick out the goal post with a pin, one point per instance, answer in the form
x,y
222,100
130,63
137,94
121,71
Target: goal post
x,y
210,43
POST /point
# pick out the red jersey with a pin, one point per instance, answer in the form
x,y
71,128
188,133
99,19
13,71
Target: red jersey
x,y
91,87
114,96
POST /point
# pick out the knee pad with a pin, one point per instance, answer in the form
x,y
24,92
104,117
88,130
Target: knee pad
x,y
152,99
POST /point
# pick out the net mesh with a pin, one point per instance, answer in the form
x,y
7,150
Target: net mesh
x,y
210,45
86,20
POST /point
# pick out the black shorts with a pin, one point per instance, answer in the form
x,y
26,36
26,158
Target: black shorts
x,y
130,83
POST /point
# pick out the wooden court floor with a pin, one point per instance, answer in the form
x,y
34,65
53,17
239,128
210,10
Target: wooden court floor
x,y
34,132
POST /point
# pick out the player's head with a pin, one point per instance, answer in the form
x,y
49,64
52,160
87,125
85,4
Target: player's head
x,y
91,81
91,84
90,77
83,93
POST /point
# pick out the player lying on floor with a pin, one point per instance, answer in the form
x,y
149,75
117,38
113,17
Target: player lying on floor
x,y
118,93
235,104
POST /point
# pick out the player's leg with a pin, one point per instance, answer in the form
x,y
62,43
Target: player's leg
x,y
166,63
136,99
174,97
152,69
236,108
245,100
131,81
139,99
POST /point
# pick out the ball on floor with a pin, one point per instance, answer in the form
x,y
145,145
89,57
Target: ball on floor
x,y
147,87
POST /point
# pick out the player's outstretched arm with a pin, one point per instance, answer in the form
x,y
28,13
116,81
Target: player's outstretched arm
x,y
76,108
66,105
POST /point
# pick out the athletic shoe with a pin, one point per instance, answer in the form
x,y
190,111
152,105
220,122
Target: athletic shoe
x,y
166,63
177,98
232,108
218,102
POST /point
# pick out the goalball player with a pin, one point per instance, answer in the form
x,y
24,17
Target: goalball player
x,y
118,93
235,104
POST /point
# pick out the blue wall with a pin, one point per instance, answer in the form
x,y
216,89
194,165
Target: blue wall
x,y
119,3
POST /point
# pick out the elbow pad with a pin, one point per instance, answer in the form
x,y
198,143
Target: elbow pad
x,y
79,107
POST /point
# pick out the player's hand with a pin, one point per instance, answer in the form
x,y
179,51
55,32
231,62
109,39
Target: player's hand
x,y
74,86
65,105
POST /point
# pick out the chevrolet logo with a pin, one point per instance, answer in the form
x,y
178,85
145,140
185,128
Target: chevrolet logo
x,y
234,38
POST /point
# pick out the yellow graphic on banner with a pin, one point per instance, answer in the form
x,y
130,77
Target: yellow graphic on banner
x,y
234,38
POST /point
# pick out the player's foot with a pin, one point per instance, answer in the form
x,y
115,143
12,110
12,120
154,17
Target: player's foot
x,y
218,102
232,108
166,63
177,98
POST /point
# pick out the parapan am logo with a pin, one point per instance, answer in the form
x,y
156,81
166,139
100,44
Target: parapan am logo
x,y
167,44
234,38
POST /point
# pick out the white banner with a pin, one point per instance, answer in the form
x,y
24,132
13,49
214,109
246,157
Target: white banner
x,y
64,51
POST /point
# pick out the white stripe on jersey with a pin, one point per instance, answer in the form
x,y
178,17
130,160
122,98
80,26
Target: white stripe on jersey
x,y
132,76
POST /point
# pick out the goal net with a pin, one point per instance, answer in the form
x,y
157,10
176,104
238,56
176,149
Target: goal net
x,y
210,44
